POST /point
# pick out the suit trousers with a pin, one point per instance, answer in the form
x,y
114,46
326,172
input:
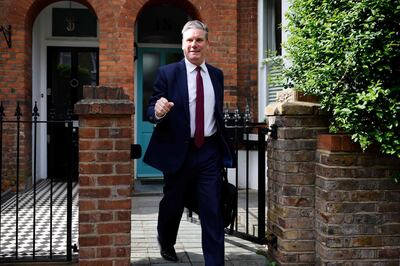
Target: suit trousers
x,y
201,173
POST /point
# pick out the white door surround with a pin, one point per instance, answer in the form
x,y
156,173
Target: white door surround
x,y
41,39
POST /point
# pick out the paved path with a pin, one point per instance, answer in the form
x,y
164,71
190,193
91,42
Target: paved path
x,y
145,250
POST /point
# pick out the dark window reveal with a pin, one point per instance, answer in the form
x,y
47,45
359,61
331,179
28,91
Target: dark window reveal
x,y
74,22
278,26
161,24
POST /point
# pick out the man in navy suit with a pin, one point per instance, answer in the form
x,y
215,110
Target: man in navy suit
x,y
189,144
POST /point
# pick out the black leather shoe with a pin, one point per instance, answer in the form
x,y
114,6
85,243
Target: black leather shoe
x,y
168,253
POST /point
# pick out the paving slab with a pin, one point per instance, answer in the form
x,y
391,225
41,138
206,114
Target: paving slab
x,y
145,249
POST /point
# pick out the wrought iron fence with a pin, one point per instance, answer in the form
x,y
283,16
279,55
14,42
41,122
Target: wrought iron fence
x,y
35,221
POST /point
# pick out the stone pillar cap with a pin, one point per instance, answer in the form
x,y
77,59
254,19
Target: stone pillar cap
x,y
294,108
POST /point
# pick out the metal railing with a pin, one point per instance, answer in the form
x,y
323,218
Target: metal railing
x,y
31,213
248,138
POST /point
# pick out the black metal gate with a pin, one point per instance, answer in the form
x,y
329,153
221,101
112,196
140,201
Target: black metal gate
x,y
249,141
36,220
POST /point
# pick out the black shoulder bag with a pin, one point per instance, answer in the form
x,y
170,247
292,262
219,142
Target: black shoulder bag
x,y
229,202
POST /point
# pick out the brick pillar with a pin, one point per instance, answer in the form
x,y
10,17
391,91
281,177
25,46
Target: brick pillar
x,y
104,176
357,205
291,181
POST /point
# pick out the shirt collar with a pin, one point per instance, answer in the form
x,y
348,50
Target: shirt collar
x,y
191,67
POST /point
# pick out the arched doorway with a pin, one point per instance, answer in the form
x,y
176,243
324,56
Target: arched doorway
x,y
159,42
64,58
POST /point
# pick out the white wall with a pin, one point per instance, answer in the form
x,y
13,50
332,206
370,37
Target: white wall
x,y
253,170
262,78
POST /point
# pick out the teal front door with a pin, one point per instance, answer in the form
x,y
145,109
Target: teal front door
x,y
149,59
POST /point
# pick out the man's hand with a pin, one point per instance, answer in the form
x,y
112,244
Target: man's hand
x,y
162,107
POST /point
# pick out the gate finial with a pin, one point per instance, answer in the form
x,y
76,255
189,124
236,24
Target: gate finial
x,y
35,113
1,111
18,112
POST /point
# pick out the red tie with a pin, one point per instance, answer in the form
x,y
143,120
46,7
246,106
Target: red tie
x,y
199,131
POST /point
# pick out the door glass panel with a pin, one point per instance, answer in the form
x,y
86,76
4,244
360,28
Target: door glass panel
x,y
87,72
61,97
149,59
173,57
151,62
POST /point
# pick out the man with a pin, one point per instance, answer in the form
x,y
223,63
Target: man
x,y
188,143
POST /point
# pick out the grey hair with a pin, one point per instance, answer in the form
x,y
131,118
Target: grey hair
x,y
195,24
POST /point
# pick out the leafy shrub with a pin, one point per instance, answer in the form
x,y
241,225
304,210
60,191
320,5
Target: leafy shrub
x,y
348,54
275,65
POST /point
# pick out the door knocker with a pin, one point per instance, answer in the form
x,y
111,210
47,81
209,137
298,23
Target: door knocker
x,y
74,83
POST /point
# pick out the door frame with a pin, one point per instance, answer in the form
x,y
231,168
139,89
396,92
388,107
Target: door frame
x,y
141,48
41,39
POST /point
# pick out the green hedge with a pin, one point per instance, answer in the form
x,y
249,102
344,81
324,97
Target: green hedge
x,y
348,53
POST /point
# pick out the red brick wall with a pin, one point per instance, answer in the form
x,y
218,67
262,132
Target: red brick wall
x,y
10,138
116,26
105,177
291,181
247,56
357,204
15,83
329,203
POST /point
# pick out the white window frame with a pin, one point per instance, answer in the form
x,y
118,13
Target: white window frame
x,y
265,40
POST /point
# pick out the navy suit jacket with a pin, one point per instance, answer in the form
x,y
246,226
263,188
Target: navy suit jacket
x,y
170,140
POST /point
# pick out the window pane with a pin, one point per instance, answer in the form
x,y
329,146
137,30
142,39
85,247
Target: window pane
x,y
173,57
151,62
87,68
74,22
161,24
61,96
86,72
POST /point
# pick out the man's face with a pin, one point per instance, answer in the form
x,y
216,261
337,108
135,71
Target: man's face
x,y
195,46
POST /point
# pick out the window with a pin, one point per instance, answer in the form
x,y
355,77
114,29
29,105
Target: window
x,y
270,40
74,22
273,40
161,24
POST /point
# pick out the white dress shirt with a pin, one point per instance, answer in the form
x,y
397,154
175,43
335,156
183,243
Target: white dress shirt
x,y
209,98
